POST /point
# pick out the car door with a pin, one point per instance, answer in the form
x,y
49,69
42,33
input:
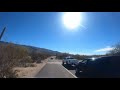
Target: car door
x,y
115,66
83,65
103,66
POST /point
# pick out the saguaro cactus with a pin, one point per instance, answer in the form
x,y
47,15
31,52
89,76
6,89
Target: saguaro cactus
x,y
2,32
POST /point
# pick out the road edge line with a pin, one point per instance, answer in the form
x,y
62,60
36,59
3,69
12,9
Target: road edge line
x,y
69,72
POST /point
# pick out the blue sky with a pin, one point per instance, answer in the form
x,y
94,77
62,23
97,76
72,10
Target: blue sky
x,y
46,30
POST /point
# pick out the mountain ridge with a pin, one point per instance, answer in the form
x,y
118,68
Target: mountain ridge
x,y
33,48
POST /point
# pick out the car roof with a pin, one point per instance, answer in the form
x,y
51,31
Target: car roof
x,y
108,58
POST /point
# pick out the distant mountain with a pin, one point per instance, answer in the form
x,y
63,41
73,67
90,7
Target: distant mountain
x,y
32,48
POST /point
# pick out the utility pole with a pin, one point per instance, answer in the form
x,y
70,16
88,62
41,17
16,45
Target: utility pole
x,y
2,32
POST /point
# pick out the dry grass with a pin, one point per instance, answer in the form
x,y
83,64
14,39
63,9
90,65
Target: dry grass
x,y
30,72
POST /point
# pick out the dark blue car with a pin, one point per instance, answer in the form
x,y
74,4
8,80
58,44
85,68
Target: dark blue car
x,y
108,66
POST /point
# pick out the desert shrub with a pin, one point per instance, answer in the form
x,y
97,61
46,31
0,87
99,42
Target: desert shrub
x,y
38,57
30,65
10,56
35,56
27,65
28,59
61,56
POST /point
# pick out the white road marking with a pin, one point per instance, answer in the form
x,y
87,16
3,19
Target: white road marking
x,y
69,72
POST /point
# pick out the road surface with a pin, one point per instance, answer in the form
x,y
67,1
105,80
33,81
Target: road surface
x,y
54,69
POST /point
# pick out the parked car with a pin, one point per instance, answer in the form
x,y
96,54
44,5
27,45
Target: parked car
x,y
69,61
108,66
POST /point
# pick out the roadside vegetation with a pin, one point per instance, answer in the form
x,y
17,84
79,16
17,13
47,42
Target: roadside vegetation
x,y
77,56
61,56
115,50
17,56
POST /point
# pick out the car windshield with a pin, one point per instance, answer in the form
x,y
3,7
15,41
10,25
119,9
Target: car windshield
x,y
84,61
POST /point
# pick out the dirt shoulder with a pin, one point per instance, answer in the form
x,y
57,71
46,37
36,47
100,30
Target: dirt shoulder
x,y
30,72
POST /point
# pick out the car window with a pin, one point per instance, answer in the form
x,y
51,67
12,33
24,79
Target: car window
x,y
101,61
84,61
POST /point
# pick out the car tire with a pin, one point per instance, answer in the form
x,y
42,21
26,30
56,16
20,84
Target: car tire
x,y
76,70
62,63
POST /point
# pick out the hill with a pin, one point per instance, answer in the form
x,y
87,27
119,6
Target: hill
x,y
32,48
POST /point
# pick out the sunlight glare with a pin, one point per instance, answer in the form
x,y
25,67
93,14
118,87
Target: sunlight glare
x,y
72,19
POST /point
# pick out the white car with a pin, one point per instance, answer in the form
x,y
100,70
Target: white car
x,y
69,61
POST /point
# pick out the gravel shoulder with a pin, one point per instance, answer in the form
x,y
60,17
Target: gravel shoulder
x,y
30,72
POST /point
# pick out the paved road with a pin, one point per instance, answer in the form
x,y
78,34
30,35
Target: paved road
x,y
54,69
72,71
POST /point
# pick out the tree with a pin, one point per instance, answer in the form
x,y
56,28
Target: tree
x,y
115,51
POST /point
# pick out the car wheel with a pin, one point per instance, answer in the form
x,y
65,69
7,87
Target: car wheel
x,y
76,70
63,63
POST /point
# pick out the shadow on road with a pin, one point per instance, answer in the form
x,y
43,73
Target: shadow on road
x,y
83,75
69,67
80,75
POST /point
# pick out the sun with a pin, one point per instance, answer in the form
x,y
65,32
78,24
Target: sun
x,y
72,19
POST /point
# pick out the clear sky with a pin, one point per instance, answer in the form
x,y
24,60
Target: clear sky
x,y
46,30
